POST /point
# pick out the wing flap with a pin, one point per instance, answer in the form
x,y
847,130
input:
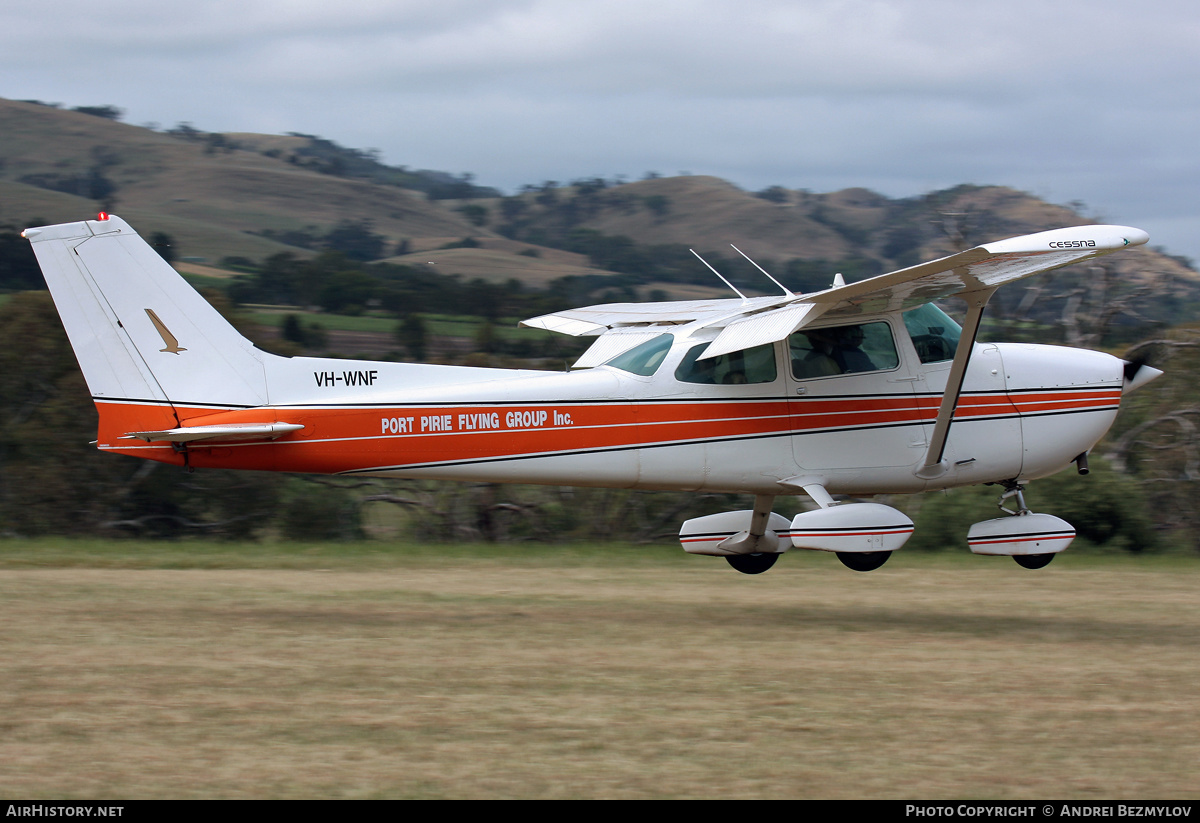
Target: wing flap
x,y
766,327
598,319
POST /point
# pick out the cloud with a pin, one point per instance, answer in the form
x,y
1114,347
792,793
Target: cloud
x,y
1074,100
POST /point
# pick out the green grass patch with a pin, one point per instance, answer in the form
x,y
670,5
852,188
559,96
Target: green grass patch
x,y
334,322
50,552
204,281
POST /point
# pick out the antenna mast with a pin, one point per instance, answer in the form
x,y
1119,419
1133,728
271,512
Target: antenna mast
x,y
718,274
786,290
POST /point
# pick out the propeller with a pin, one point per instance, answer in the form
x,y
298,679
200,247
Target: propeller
x,y
1138,373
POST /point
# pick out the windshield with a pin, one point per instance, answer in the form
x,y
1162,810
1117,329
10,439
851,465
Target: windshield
x,y
934,334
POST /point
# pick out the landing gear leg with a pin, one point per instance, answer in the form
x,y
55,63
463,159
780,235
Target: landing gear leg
x,y
757,536
1013,489
1025,561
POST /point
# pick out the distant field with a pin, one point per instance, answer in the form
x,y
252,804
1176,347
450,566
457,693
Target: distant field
x,y
372,670
335,322
204,281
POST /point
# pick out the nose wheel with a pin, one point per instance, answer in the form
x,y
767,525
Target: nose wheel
x,y
1033,561
1021,532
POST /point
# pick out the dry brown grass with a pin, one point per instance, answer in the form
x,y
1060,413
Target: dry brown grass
x,y
502,675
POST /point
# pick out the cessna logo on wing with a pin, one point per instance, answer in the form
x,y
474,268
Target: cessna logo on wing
x,y
1074,244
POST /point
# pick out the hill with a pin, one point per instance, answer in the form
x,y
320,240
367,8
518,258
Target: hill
x,y
211,195
854,230
251,196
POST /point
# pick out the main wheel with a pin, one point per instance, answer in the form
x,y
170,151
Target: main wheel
x,y
863,561
1033,561
756,563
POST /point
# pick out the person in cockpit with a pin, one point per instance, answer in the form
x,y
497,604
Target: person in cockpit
x,y
846,350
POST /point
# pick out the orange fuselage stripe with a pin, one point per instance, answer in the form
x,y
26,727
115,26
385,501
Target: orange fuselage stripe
x,y
339,439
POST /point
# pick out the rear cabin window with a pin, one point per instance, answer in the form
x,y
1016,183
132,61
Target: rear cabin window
x,y
834,350
756,365
644,359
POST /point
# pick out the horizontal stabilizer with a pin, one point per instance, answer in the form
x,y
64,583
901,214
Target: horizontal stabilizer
x,y
232,432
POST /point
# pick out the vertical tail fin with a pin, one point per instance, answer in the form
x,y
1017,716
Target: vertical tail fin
x,y
139,331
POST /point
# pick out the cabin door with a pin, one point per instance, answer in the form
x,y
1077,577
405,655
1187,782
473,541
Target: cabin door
x,y
851,398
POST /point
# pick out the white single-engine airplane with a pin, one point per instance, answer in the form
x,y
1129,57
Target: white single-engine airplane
x,y
857,390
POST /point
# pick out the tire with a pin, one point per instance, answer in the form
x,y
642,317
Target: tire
x,y
1033,561
756,563
863,561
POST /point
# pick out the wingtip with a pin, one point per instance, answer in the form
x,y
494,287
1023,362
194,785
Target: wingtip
x,y
1082,238
1135,237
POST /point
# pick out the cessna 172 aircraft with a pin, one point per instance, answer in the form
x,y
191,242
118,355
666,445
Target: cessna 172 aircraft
x,y
860,389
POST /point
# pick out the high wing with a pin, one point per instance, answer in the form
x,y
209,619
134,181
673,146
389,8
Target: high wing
x,y
755,321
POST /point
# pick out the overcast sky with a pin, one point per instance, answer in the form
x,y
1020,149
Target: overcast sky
x,y
1095,101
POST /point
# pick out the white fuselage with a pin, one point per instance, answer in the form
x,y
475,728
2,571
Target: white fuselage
x,y
1026,411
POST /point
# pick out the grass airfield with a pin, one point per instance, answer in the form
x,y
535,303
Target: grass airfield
x,y
367,670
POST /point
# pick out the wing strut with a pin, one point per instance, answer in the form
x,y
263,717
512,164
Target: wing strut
x,y
934,463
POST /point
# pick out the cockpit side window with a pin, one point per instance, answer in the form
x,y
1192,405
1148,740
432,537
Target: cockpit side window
x,y
934,334
833,350
755,365
645,359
